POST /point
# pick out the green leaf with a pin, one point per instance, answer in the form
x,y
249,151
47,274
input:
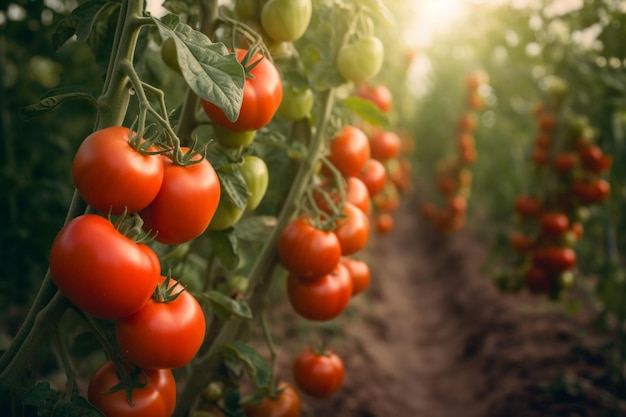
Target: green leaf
x,y
78,22
55,98
234,187
210,71
227,306
42,397
79,407
102,33
379,11
257,368
225,246
367,111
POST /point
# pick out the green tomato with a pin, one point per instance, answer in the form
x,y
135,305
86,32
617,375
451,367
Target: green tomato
x,y
226,215
361,60
296,104
255,174
232,139
286,20
169,54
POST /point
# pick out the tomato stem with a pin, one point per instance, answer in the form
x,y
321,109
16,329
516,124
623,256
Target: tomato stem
x,y
60,344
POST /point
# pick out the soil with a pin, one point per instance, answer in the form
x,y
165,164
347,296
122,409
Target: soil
x,y
432,337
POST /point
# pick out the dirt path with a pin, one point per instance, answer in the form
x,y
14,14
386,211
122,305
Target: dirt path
x,y
432,338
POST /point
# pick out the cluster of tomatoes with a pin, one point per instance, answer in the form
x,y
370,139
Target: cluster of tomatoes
x,y
454,177
570,165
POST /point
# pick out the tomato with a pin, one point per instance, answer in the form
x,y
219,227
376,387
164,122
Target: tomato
x,y
101,271
527,206
447,185
296,103
361,60
521,242
359,273
377,94
255,174
156,399
543,140
262,94
388,200
186,202
594,191
594,159
323,298
307,251
468,156
169,54
374,176
564,162
554,224
286,20
466,122
111,175
385,145
318,374
163,335
466,142
233,139
457,204
547,122
349,151
226,215
554,258
474,80
287,403
357,194
475,101
352,230
538,280
384,223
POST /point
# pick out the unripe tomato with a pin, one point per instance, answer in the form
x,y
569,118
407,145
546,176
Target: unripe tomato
x,y
319,375
262,95
255,174
296,103
101,271
112,176
287,403
226,215
154,393
286,20
169,54
349,151
163,335
321,299
186,202
361,60
233,139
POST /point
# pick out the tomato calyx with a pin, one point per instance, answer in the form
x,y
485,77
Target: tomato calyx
x,y
129,381
130,226
166,293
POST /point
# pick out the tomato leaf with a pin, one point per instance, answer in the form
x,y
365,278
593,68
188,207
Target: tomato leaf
x,y
209,69
42,397
102,33
79,22
257,368
225,246
367,111
55,98
79,407
227,306
234,187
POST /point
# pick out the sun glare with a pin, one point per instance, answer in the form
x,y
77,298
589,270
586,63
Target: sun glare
x,y
435,16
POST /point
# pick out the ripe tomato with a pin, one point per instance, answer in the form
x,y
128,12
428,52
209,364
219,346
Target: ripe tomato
x,y
286,20
538,281
564,162
287,403
594,159
457,204
377,94
156,399
447,185
384,223
388,200
527,206
185,204
361,60
554,258
589,192
521,242
296,104
318,374
111,175
554,224
321,299
255,174
307,251
101,271
385,145
349,151
466,123
547,122
261,97
357,194
163,335
352,230
374,176
359,273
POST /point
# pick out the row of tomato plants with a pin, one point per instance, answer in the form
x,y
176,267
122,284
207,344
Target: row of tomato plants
x,y
167,229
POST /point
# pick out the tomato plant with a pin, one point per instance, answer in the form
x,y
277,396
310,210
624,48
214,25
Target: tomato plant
x,y
318,374
112,176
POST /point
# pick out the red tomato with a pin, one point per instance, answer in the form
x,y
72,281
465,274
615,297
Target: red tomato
x,y
359,272
321,299
163,335
554,259
589,192
521,242
374,176
446,185
547,122
538,280
111,175
466,123
287,403
564,162
384,145
156,399
384,223
357,194
388,200
527,206
185,204
101,271
352,230
307,251
318,375
378,94
554,224
262,94
457,204
594,159
349,151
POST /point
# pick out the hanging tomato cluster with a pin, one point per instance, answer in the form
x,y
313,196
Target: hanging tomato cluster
x,y
568,170
454,176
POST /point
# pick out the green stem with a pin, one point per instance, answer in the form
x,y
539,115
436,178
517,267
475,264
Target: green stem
x,y
59,343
